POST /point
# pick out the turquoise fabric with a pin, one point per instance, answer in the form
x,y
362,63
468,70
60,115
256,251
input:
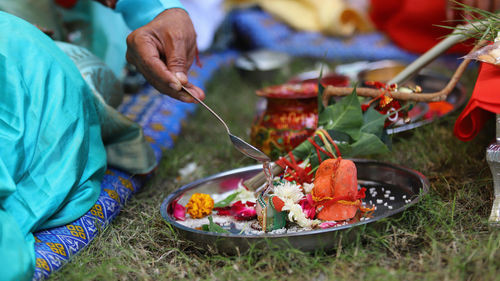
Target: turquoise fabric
x,y
137,13
52,158
126,146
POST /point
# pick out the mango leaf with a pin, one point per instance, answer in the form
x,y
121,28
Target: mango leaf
x,y
226,201
321,107
340,136
373,122
303,150
345,116
356,134
367,144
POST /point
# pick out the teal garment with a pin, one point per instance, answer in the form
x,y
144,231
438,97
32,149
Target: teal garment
x,y
126,145
52,157
137,13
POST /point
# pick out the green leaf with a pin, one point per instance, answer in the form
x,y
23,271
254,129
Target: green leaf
x,y
213,227
303,150
340,136
226,201
368,144
355,133
345,116
373,122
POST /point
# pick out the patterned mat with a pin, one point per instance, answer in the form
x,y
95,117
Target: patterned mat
x,y
161,117
258,29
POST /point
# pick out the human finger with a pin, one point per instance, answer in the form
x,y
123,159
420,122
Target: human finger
x,y
194,90
180,57
144,54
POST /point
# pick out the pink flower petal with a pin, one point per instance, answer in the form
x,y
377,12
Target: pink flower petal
x,y
308,207
245,214
179,211
328,224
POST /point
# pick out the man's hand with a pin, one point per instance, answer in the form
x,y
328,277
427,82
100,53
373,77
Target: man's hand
x,y
163,51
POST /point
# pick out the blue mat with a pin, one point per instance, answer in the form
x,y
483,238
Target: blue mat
x,y
258,29
161,118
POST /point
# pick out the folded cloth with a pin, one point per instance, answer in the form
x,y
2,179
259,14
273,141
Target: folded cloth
x,y
482,105
330,17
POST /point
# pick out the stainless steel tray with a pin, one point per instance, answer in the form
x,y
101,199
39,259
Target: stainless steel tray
x,y
374,175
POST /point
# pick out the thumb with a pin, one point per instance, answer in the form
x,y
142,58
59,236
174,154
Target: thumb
x,y
177,63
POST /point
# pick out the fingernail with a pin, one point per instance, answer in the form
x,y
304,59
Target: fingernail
x,y
175,86
181,76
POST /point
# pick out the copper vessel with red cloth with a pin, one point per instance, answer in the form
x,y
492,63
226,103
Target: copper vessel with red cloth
x,y
290,115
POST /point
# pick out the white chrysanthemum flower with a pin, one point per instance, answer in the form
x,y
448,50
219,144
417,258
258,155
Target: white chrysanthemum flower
x,y
308,187
288,191
296,214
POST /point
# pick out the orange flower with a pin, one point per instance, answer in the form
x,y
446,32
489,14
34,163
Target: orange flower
x,y
200,205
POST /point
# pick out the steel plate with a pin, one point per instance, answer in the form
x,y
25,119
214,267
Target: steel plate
x,y
405,185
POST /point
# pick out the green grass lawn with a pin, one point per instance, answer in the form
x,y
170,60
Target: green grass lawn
x,y
444,237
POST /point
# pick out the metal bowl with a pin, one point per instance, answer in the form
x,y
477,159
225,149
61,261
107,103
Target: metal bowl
x,y
405,185
261,66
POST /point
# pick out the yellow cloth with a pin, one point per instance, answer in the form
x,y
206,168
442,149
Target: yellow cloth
x,y
331,17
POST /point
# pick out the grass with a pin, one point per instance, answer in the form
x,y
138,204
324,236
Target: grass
x,y
444,237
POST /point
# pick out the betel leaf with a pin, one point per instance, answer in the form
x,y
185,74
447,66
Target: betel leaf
x,y
213,227
226,201
345,116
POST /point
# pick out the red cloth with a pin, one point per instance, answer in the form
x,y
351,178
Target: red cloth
x,y
485,101
412,24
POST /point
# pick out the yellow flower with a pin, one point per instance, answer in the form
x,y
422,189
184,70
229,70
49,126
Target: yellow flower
x,y
200,205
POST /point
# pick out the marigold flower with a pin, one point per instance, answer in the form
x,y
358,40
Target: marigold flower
x,y
200,205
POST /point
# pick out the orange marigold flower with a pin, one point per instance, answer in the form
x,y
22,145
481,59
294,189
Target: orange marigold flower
x,y
200,205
